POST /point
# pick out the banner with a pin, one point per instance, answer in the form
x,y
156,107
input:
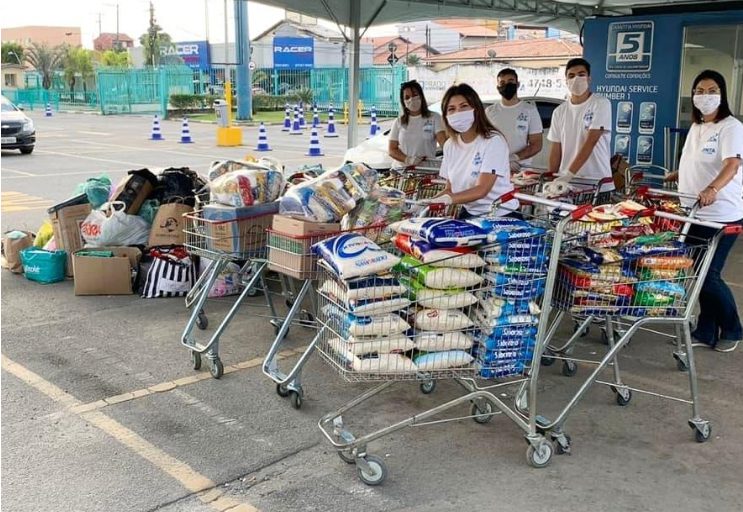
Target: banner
x,y
293,52
194,54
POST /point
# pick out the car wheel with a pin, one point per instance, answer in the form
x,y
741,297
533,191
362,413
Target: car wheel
x,y
27,151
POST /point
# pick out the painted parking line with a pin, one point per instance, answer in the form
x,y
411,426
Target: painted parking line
x,y
11,202
190,479
104,134
20,173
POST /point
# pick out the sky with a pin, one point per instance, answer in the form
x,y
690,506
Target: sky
x,y
184,20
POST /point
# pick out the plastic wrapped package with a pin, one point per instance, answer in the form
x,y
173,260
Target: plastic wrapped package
x,y
442,232
454,257
351,255
247,187
222,167
382,206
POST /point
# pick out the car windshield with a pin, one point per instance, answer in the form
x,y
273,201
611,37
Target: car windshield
x,y
7,106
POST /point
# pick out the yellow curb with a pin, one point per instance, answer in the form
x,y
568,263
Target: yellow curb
x,y
162,387
79,409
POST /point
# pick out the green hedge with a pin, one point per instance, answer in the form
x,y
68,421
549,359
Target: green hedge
x,y
192,101
269,102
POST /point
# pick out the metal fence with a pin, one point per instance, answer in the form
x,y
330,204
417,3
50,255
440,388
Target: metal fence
x,y
141,91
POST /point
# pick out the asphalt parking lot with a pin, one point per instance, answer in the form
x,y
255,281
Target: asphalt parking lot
x,y
101,410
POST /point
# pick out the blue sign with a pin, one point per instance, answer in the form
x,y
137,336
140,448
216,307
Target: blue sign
x,y
630,46
293,52
194,54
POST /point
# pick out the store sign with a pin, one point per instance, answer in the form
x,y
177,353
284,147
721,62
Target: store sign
x,y
195,54
293,52
630,46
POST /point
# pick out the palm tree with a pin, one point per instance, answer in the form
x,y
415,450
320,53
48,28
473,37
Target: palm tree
x,y
77,61
45,60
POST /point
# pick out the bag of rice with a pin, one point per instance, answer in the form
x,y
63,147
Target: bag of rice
x,y
384,363
359,346
352,255
506,229
347,324
438,341
439,299
443,360
455,257
438,278
442,232
442,320
495,307
370,307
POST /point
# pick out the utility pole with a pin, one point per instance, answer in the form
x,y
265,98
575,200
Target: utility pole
x,y
99,25
152,35
117,45
206,19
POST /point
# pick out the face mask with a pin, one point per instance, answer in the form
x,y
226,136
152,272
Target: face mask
x,y
461,121
508,91
578,85
706,103
413,104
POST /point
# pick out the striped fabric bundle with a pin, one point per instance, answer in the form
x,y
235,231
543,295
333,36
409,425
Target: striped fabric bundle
x,y
172,274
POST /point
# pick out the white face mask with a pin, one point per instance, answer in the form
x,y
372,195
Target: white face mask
x,y
413,104
578,85
461,121
706,103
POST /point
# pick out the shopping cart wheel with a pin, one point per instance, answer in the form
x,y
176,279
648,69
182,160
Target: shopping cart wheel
x,y
296,399
562,450
605,336
702,431
569,368
347,457
217,369
548,358
307,319
195,360
277,328
253,292
624,395
428,386
541,456
202,322
375,474
282,391
584,332
681,362
481,413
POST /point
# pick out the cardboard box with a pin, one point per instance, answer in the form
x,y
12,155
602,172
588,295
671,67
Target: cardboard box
x,y
290,245
168,225
133,189
106,276
66,226
240,232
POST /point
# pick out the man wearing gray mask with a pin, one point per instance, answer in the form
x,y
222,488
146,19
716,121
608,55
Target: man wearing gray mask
x,y
517,120
581,130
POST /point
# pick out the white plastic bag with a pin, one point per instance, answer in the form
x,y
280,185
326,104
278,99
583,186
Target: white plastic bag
x,y
110,226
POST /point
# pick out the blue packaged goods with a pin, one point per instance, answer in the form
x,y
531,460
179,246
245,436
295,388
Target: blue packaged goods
x,y
527,259
497,371
671,248
515,287
43,266
509,331
353,255
501,343
374,287
455,257
442,360
346,324
506,229
442,232
498,306
506,356
661,287
370,307
443,278
504,320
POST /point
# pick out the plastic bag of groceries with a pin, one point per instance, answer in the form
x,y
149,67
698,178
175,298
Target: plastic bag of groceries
x,y
111,226
382,206
222,167
247,187
331,195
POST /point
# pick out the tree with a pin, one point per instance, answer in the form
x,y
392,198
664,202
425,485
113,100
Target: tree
x,y
114,59
413,60
45,60
153,39
77,61
12,53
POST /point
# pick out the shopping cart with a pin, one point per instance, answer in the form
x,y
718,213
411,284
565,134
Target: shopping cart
x,y
650,285
646,175
222,242
501,347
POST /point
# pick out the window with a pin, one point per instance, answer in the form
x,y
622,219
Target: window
x,y
10,80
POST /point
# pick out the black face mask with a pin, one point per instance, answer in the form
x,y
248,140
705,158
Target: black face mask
x,y
508,91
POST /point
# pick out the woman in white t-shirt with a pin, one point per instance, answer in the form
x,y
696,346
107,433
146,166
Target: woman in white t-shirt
x,y
416,132
475,164
710,169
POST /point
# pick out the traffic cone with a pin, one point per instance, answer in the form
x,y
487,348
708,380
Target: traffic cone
x,y
185,132
315,118
302,122
287,119
374,127
296,128
315,149
48,111
156,135
330,131
262,139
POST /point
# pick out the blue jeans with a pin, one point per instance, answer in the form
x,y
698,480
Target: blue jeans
x,y
718,316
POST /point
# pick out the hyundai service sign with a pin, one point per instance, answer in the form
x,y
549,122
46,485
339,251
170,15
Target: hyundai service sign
x,y
630,46
195,54
293,52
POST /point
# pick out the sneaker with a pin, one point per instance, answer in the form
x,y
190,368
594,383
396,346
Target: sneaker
x,y
726,345
696,343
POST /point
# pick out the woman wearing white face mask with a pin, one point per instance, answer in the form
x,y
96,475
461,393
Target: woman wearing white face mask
x,y
710,169
415,133
475,164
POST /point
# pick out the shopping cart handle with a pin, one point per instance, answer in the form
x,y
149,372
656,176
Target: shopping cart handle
x,y
642,190
733,229
581,211
506,197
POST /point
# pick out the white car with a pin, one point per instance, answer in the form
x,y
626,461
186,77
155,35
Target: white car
x,y
373,151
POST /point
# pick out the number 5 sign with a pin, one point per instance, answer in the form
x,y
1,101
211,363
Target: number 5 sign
x,y
630,46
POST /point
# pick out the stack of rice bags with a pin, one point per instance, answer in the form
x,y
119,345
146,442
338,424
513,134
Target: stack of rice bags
x,y
508,306
440,271
364,306
331,195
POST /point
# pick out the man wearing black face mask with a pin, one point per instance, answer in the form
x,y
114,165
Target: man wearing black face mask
x,y
518,120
